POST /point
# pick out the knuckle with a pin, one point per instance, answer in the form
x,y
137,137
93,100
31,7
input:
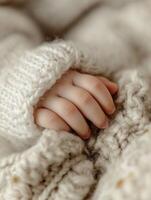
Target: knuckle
x,y
53,117
70,109
96,85
86,99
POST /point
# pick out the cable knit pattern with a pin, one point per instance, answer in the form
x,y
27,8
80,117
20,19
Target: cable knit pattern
x,y
41,164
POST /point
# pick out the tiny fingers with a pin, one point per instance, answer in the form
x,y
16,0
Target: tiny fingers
x,y
49,119
75,98
69,112
111,86
88,106
94,86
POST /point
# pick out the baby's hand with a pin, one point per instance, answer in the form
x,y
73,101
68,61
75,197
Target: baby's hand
x,y
75,98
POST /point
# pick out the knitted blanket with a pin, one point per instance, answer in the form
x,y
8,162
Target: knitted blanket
x,y
112,39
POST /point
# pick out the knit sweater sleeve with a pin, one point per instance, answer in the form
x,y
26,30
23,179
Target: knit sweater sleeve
x,y
15,40
28,70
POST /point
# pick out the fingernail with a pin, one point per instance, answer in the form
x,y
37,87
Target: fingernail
x,y
106,124
115,86
113,110
87,135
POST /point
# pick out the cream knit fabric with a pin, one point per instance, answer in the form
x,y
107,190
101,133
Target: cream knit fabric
x,y
112,39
